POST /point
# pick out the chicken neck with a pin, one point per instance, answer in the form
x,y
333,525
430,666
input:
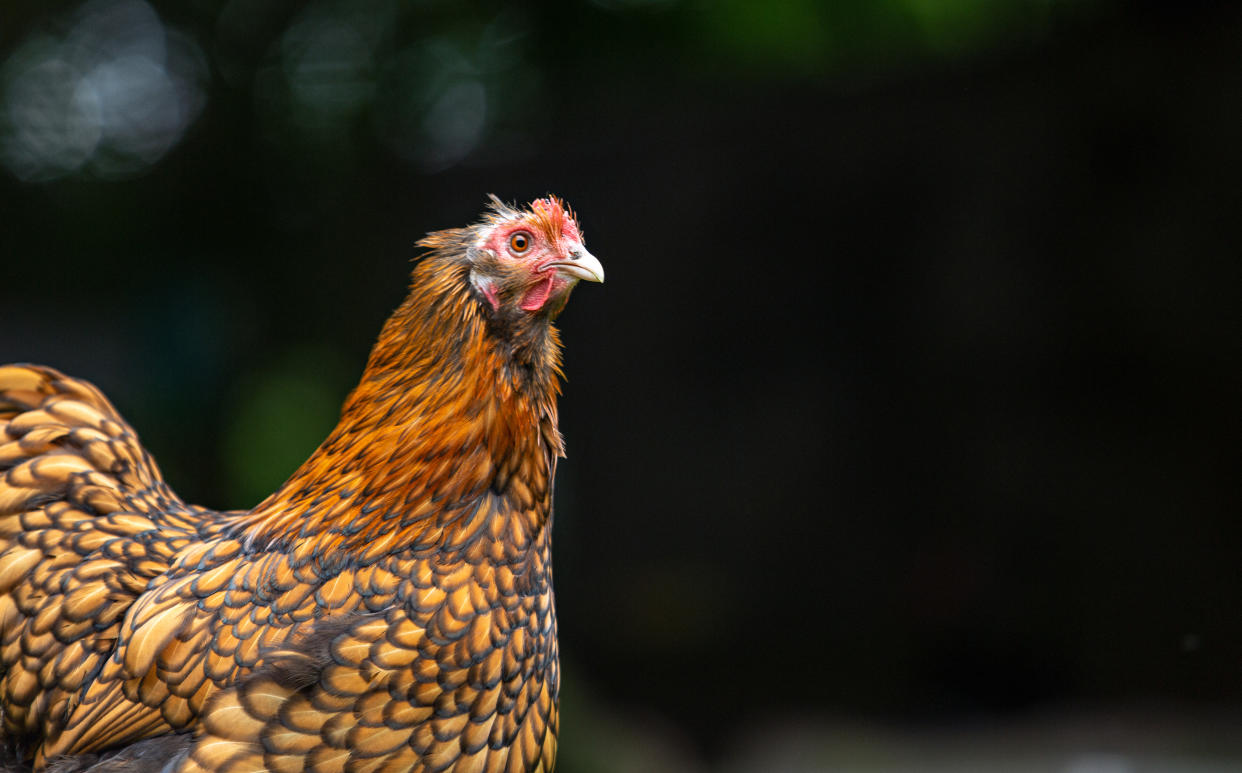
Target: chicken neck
x,y
448,442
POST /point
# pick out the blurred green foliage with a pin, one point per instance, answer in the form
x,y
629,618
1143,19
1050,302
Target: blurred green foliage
x,y
812,37
277,418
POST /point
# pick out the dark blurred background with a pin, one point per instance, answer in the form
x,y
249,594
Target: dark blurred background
x,y
904,434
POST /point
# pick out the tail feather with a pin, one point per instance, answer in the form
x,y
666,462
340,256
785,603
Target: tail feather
x,y
86,525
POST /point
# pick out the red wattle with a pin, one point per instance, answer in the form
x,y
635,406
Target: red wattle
x,y
537,295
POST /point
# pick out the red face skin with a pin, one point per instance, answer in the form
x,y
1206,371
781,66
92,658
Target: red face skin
x,y
534,241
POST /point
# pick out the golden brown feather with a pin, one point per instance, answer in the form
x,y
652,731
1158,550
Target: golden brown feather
x,y
388,608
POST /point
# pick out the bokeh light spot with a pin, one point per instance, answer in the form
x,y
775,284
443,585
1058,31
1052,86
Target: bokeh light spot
x,y
114,95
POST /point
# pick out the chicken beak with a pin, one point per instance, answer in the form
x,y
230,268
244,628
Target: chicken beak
x,y
581,265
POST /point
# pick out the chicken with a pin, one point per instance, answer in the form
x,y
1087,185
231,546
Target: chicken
x,y
388,608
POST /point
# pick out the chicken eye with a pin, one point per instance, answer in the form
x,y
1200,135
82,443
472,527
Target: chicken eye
x,y
519,242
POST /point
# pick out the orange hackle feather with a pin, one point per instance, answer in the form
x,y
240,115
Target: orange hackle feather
x,y
389,607
441,415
